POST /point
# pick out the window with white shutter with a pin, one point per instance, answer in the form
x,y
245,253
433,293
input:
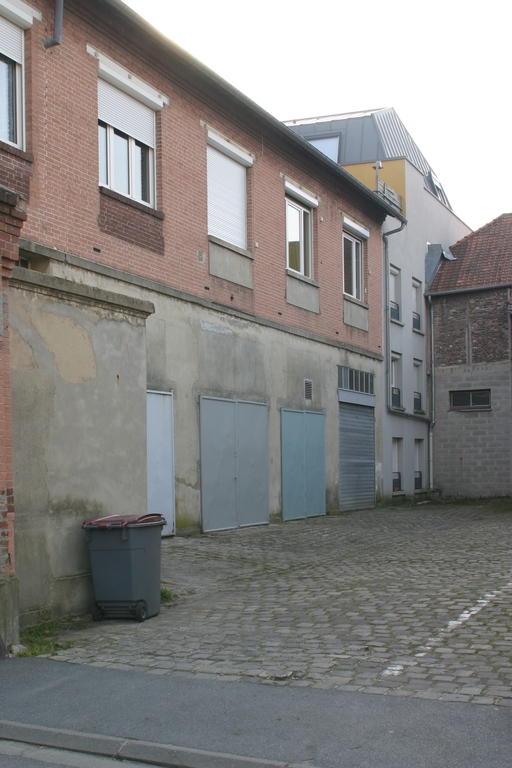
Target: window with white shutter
x,y
227,190
11,100
126,141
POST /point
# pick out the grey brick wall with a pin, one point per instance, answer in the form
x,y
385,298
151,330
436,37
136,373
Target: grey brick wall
x,y
472,449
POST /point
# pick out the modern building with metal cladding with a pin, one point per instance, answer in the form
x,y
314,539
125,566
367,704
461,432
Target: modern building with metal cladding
x,y
378,150
181,336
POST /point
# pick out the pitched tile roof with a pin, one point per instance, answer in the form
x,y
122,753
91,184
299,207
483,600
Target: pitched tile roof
x,y
482,258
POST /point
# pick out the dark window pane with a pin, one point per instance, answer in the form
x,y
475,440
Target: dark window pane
x,y
461,399
306,224
348,275
7,100
102,153
481,399
141,172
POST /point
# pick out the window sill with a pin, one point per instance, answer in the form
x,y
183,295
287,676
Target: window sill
x,y
132,203
470,410
398,493
419,412
419,331
353,300
12,150
298,276
230,246
398,408
396,322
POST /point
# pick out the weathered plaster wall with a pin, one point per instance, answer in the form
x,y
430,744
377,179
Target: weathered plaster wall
x,y
196,350
79,446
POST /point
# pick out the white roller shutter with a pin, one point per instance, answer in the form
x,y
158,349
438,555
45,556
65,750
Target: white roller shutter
x,y
227,199
11,41
126,114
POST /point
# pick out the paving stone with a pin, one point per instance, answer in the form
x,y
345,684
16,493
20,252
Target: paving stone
x,y
332,602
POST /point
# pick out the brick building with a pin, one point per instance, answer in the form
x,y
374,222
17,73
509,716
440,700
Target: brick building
x,y
176,319
471,304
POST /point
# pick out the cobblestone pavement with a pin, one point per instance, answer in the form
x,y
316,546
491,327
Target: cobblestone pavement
x,y
393,602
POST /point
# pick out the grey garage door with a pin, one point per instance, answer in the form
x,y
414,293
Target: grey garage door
x,y
302,463
357,456
234,463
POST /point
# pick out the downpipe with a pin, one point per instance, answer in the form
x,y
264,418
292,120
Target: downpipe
x,y
57,26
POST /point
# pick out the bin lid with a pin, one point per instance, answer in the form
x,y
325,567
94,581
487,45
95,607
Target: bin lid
x,y
123,521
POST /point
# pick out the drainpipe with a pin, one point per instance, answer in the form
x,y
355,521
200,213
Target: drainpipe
x,y
432,394
57,26
385,236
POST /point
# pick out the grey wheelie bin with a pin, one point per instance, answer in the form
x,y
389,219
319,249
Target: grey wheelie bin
x,y
125,564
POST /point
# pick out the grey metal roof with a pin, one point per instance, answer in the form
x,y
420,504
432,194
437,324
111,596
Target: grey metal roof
x,y
376,134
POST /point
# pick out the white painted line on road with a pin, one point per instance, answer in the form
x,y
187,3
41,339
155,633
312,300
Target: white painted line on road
x,y
432,642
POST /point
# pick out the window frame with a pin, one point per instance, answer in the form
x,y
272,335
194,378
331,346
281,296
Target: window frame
x,y
357,263
17,94
232,154
418,375
417,298
305,240
396,379
395,291
110,165
471,406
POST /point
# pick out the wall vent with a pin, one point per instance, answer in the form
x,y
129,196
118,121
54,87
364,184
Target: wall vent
x,y
308,389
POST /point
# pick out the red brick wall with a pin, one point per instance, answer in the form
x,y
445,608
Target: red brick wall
x,y
11,221
471,328
68,212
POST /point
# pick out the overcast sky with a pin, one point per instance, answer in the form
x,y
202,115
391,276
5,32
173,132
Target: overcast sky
x,y
443,65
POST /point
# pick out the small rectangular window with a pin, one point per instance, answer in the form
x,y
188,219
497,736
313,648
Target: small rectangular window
x,y
354,380
418,393
397,459
308,389
394,293
471,400
396,380
417,303
418,464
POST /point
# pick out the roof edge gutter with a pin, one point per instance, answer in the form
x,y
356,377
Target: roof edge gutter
x,y
433,294
57,26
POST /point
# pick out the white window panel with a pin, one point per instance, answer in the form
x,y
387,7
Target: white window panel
x,y
11,41
126,114
227,198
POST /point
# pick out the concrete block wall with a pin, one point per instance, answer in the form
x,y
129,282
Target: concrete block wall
x,y
473,449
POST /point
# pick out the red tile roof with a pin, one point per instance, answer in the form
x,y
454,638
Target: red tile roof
x,y
483,258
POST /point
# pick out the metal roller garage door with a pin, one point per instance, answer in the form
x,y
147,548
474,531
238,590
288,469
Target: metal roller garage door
x,y
357,457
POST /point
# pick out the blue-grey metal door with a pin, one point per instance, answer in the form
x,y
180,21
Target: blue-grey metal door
x,y
302,464
357,457
160,457
234,463
252,463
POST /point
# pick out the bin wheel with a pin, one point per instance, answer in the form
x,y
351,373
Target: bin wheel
x,y
96,612
141,611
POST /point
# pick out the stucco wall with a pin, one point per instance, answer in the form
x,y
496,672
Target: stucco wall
x,y
78,362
